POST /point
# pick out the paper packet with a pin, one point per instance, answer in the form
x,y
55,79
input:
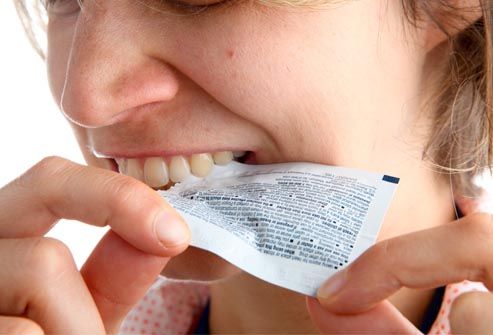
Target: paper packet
x,y
290,224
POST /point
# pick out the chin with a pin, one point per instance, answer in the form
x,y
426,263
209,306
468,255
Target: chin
x,y
199,265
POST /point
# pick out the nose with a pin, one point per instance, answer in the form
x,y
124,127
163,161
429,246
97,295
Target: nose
x,y
110,70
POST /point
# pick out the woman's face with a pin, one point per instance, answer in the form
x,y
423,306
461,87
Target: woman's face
x,y
338,86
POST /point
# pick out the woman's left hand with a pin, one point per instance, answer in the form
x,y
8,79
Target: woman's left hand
x,y
354,300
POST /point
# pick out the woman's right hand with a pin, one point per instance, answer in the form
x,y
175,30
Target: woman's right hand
x,y
41,289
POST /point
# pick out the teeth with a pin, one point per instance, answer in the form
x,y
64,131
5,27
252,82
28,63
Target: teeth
x,y
179,169
156,172
133,169
223,157
201,164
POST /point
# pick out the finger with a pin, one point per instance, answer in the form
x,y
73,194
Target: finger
x,y
14,325
471,313
118,276
382,319
56,188
425,259
40,281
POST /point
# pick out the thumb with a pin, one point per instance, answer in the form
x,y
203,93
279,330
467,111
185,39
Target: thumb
x,y
384,318
118,276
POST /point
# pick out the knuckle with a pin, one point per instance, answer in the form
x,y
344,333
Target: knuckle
x,y
49,165
381,256
385,251
45,169
386,254
47,179
49,259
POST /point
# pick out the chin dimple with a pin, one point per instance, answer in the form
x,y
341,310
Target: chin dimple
x,y
161,173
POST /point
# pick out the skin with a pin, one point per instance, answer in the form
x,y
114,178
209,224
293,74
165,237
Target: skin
x,y
135,82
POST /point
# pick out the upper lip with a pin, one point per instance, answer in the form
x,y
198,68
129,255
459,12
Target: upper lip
x,y
158,153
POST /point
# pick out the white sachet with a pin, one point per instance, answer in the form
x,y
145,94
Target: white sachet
x,y
290,224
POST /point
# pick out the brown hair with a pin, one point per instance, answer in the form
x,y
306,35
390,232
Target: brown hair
x,y
461,140
460,143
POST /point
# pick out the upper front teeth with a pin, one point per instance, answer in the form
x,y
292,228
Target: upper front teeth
x,y
201,164
179,169
158,173
133,169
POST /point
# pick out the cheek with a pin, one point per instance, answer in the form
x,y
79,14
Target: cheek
x,y
269,67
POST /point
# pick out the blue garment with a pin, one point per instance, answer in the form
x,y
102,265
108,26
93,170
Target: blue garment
x,y
203,325
433,310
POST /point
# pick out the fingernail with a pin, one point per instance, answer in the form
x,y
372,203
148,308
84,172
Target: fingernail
x,y
332,286
171,230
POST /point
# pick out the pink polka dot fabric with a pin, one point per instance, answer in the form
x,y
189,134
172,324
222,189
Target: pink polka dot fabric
x,y
441,326
169,307
174,307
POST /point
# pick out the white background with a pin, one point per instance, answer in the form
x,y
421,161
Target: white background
x,y
31,127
